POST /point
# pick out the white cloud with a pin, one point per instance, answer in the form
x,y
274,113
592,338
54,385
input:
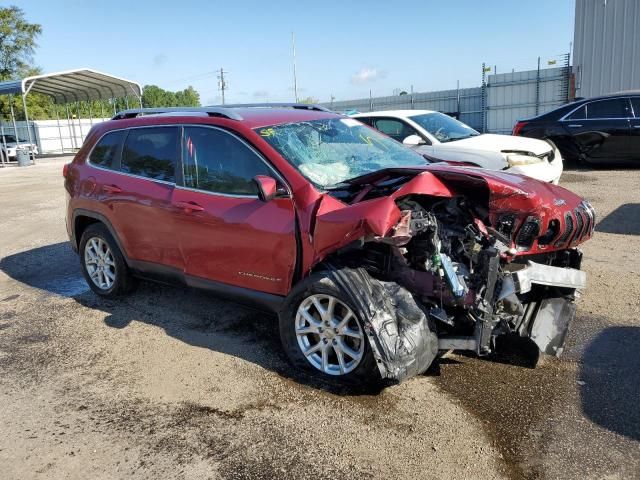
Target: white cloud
x,y
366,75
260,94
159,60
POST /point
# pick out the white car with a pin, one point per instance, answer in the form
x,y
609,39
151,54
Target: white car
x,y
8,146
441,137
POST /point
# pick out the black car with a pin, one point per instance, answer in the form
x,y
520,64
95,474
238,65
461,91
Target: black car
x,y
596,130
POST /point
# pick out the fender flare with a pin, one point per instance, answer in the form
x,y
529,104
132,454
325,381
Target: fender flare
x,y
101,218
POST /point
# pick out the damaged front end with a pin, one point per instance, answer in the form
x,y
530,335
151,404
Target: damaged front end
x,y
447,275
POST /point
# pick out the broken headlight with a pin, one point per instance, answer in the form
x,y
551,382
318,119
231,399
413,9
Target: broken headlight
x,y
528,233
505,224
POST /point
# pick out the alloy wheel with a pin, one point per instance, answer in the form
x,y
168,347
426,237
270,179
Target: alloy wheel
x,y
329,335
99,262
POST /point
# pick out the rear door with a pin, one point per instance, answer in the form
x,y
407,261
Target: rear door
x,y
601,129
138,196
634,143
227,234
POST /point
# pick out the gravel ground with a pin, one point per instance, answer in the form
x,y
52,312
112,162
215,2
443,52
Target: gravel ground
x,y
174,383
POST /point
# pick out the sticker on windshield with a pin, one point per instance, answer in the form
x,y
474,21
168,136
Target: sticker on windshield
x,y
350,122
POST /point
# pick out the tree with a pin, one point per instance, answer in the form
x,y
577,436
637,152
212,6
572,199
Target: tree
x,y
309,100
154,96
17,42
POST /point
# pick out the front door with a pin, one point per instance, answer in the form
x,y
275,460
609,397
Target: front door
x,y
227,234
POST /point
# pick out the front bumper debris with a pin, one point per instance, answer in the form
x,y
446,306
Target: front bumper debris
x,y
536,273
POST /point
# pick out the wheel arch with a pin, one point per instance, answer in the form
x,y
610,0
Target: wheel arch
x,y
83,218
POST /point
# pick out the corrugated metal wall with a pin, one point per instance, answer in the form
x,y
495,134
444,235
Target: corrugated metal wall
x,y
509,97
518,95
606,47
470,107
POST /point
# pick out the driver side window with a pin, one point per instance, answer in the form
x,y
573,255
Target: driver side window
x,y
218,162
396,129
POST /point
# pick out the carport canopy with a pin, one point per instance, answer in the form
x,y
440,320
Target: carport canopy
x,y
73,86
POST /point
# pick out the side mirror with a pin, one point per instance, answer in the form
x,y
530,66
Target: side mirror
x,y
267,187
414,141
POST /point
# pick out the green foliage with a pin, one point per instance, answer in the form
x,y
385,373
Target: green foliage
x,y
17,42
154,96
310,100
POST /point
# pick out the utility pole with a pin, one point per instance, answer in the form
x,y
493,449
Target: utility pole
x,y
222,84
295,77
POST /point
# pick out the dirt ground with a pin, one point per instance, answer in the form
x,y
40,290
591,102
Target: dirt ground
x,y
172,383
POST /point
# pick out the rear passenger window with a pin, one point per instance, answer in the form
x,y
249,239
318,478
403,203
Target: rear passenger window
x,y
151,152
217,161
614,108
106,151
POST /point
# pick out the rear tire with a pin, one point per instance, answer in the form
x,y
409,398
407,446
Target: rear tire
x,y
103,264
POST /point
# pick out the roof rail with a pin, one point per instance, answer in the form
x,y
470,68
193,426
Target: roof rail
x,y
214,111
299,106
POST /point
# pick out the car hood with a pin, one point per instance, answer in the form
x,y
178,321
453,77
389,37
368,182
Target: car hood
x,y
500,143
497,193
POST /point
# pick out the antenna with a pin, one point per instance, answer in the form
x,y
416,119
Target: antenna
x,y
295,78
222,84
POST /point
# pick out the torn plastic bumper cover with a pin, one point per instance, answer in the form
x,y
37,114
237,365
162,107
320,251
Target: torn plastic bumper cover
x,y
400,333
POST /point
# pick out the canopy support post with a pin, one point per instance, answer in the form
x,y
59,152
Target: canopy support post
x,y
3,154
32,154
55,107
80,122
72,134
15,125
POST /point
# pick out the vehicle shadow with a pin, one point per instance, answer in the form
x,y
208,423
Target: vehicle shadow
x,y
191,316
609,380
624,220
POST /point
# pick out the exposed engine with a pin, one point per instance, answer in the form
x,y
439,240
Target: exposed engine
x,y
466,276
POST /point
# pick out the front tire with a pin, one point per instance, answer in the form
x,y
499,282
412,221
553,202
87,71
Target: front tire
x,y
103,265
322,333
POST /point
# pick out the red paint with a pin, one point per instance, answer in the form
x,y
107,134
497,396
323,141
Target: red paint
x,y
252,243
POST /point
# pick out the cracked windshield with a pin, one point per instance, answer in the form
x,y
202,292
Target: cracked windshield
x,y
331,151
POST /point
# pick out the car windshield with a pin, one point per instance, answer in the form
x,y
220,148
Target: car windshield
x,y
331,151
443,127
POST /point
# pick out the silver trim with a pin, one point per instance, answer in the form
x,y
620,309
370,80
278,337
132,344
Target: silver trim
x,y
565,119
181,126
134,112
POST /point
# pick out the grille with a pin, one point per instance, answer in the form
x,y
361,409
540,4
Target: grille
x,y
568,229
579,223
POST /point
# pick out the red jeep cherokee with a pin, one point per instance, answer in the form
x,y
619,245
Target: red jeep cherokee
x,y
373,258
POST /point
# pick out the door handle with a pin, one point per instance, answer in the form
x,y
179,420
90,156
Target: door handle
x,y
189,207
111,189
575,125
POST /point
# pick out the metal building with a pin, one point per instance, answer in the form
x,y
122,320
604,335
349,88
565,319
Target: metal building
x,y
606,51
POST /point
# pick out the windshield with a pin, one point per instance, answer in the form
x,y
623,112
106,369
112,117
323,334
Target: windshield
x,y
443,127
329,151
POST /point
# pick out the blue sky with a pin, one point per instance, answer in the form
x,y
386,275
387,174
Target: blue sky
x,y
344,48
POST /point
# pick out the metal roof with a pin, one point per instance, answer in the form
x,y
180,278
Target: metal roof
x,y
74,85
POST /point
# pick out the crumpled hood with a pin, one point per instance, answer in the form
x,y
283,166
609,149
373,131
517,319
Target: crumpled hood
x,y
511,190
499,143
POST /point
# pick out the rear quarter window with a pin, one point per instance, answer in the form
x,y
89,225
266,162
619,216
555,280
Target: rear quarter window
x,y
106,152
